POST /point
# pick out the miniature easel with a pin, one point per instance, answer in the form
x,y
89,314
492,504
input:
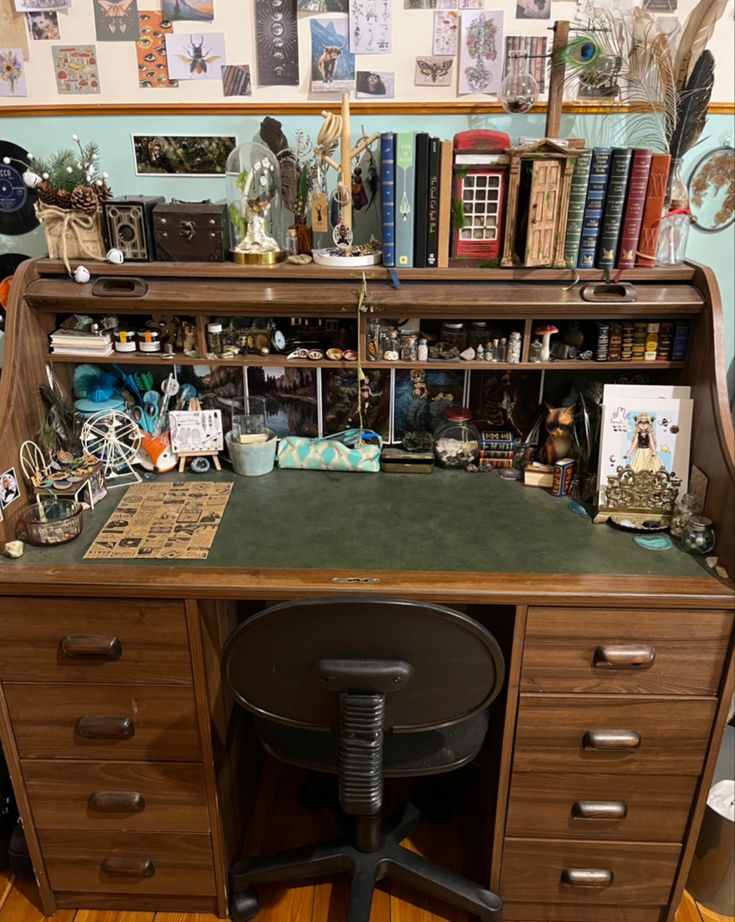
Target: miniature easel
x,y
195,406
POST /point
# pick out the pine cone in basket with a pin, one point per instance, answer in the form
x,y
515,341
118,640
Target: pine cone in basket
x,y
84,198
63,198
103,191
46,192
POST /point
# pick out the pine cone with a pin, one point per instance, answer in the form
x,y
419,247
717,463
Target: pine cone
x,y
46,192
104,192
84,198
63,198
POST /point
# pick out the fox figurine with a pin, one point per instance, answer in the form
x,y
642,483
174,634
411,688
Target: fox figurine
x,y
559,422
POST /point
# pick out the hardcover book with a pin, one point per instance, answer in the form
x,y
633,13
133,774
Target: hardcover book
x,y
594,202
421,200
432,222
405,178
612,216
635,201
445,202
658,179
577,199
388,195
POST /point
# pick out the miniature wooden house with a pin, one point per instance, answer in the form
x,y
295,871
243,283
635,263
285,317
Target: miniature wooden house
x,y
480,175
539,178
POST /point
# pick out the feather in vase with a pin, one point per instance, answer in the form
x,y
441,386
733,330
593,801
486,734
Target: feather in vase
x,y
697,32
273,136
692,106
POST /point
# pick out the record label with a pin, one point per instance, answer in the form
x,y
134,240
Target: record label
x,y
17,214
13,191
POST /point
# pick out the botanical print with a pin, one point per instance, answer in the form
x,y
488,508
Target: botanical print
x,y
31,6
194,10
342,401
43,26
182,155
422,396
277,42
323,6
533,9
369,84
116,20
13,28
480,55
332,62
76,71
236,80
196,56
433,71
446,31
12,73
290,399
151,50
370,26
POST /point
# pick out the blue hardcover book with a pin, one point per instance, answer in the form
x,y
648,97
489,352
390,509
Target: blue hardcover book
x,y
405,194
594,206
388,194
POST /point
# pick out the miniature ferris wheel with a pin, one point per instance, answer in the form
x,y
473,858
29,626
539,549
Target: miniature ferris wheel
x,y
114,439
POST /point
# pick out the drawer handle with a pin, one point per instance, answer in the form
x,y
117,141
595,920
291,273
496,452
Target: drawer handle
x,y
599,810
116,802
91,646
138,868
624,656
611,740
106,728
596,878
107,286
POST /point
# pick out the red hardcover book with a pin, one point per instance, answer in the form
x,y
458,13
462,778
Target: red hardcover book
x,y
634,205
655,195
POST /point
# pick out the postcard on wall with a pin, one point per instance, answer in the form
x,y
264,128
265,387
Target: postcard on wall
x,y
182,155
430,4
375,84
480,52
9,488
12,73
277,42
13,28
370,26
196,430
192,10
533,9
236,80
323,6
332,62
290,398
433,71
151,50
472,4
32,6
116,20
446,32
43,26
195,56
422,396
76,71
342,400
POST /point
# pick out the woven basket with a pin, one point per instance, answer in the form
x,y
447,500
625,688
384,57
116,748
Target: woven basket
x,y
72,234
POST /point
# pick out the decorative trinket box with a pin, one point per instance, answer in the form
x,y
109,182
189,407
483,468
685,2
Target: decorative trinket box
x,y
191,232
396,460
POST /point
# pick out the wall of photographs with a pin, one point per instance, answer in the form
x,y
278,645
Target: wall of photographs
x,y
199,51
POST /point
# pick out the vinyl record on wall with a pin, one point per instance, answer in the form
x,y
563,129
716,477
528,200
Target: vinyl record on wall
x,y
16,199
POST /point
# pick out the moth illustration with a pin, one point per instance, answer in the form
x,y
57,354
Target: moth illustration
x,y
434,69
117,14
199,58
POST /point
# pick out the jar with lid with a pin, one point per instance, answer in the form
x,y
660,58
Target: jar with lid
x,y
149,340
389,346
215,339
514,347
373,340
456,439
478,333
454,333
422,351
698,536
534,351
408,347
686,506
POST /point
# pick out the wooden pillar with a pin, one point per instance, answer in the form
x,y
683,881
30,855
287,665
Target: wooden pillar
x,y
345,172
556,80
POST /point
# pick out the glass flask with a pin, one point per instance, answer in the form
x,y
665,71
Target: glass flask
x,y
456,439
686,506
674,228
255,206
519,89
698,536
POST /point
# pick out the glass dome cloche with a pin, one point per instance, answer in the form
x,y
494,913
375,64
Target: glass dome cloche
x,y
255,206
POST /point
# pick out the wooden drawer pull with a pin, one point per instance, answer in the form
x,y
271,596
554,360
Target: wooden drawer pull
x,y
599,810
106,728
116,802
586,877
611,740
624,656
91,646
138,868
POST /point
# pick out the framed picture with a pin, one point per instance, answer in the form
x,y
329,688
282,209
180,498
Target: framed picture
x,y
9,488
182,154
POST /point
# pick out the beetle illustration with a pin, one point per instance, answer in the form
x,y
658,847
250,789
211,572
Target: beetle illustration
x,y
199,58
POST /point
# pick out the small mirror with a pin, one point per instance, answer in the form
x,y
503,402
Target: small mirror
x,y
712,190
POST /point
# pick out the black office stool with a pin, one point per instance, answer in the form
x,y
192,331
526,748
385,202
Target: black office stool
x,y
366,688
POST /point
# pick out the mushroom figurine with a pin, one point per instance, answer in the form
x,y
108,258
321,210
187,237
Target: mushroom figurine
x,y
546,330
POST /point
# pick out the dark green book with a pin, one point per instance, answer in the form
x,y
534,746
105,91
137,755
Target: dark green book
x,y
612,215
577,200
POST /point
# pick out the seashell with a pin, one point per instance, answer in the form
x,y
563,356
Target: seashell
x,y
335,354
350,355
14,549
315,354
468,354
299,354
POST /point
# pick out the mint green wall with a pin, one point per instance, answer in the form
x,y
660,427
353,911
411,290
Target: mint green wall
x,y
44,135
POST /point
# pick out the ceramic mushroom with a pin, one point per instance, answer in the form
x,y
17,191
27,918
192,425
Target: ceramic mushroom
x,y
546,330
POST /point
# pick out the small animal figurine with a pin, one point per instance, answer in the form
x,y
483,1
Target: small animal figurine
x,y
559,422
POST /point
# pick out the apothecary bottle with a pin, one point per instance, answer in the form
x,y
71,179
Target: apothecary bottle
x,y
698,536
422,351
514,347
686,506
408,347
456,439
534,351
215,339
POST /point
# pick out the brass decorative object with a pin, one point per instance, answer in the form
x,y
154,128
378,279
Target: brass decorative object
x,y
642,499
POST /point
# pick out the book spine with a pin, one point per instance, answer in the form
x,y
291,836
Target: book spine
x,y
635,201
612,216
577,199
446,154
658,179
388,193
432,236
421,201
404,199
594,201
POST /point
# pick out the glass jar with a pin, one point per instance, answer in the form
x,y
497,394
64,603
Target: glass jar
x,y
408,347
698,536
389,346
255,206
373,340
454,333
422,351
149,340
478,333
215,339
501,352
674,225
686,506
456,439
534,351
514,347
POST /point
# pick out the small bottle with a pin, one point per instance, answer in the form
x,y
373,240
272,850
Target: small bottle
x,y
215,343
502,350
480,352
534,353
422,351
514,347
390,352
292,242
686,506
495,348
698,536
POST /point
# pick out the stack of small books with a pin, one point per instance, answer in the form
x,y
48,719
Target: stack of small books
x,y
77,342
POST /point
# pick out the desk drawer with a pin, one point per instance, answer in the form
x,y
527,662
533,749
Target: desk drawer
x,y
132,863
94,640
132,722
594,881
599,806
612,734
135,796
624,652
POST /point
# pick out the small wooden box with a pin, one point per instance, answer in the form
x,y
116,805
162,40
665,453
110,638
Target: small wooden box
x,y
191,232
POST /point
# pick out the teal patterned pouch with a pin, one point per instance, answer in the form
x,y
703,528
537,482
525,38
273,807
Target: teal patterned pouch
x,y
352,450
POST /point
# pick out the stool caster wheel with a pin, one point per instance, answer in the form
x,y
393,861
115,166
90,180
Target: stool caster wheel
x,y
244,906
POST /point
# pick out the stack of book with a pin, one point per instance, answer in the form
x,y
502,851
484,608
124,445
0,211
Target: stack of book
x,y
76,342
496,449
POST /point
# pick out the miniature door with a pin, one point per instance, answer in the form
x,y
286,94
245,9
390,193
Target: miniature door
x,y
481,192
543,212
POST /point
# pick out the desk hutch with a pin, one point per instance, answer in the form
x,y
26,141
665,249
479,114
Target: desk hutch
x,y
128,758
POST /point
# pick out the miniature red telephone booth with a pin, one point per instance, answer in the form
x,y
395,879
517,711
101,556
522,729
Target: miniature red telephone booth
x,y
480,170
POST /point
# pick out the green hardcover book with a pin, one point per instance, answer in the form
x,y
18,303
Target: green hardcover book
x,y
577,199
405,195
612,216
